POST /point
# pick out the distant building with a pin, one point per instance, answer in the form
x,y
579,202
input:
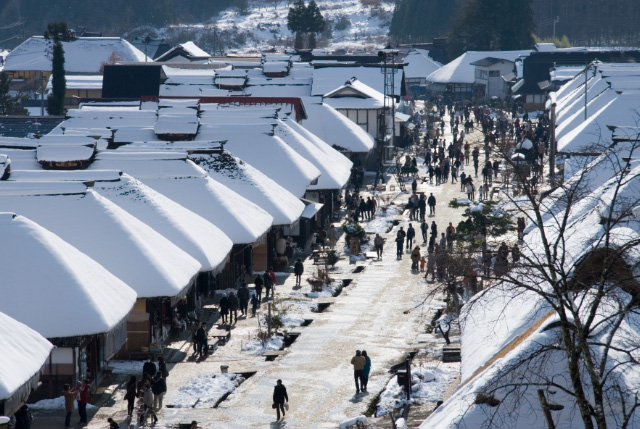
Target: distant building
x,y
184,52
491,77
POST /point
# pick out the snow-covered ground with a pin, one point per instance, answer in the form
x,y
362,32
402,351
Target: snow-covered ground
x,y
207,390
53,404
264,27
428,384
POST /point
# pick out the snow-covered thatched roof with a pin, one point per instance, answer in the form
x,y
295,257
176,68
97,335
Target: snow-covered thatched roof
x,y
83,55
354,94
252,184
326,79
461,69
52,287
190,186
268,153
419,64
336,129
147,261
189,231
18,340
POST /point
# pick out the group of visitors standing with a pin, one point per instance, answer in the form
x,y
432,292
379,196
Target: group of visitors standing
x,y
149,391
79,394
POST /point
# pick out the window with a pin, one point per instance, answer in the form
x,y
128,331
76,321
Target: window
x,y
362,117
494,73
481,74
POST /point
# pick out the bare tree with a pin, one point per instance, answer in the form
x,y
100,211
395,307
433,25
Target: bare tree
x,y
580,262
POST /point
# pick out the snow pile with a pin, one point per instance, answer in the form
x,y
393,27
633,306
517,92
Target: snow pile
x,y
206,391
427,385
254,346
345,424
382,222
53,404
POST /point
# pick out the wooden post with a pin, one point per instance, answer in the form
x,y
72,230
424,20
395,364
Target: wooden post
x,y
269,319
545,409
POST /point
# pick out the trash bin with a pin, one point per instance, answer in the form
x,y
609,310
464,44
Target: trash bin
x,y
224,369
4,422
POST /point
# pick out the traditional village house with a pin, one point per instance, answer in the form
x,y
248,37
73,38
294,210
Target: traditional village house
x,y
160,272
64,295
25,352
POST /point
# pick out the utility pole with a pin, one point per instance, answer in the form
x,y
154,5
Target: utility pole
x,y
552,143
42,94
555,21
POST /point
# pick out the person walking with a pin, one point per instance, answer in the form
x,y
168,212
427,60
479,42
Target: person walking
x,y
69,396
149,368
358,362
258,283
411,233
414,185
83,391
332,235
147,400
243,298
279,398
130,396
158,388
233,308
415,258
255,303
434,229
201,336
366,370
431,201
424,228
268,284
298,269
162,367
400,242
224,308
378,241
431,265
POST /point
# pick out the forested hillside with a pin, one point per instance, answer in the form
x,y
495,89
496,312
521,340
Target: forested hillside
x,y
111,17
584,22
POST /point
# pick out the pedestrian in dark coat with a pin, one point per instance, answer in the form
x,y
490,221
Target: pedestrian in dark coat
x,y
431,201
424,228
131,395
434,229
411,233
233,307
255,303
279,398
258,284
148,368
414,185
298,269
268,284
243,298
415,258
201,337
158,388
224,308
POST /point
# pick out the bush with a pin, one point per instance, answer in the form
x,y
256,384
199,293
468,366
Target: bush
x,y
342,23
353,230
332,257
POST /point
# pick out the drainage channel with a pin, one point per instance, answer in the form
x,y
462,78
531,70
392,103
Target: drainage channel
x,y
322,306
245,375
358,269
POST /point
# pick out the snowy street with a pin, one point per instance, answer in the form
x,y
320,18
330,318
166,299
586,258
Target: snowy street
x,y
380,311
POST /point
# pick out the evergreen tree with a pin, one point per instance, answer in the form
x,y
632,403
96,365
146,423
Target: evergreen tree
x,y
296,22
493,25
57,32
422,19
314,22
9,105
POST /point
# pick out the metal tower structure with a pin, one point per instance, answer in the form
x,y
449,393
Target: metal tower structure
x,y
387,120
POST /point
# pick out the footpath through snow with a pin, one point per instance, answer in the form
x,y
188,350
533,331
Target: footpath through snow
x,y
379,312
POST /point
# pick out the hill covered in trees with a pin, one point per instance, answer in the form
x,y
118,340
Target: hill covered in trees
x,y
584,22
114,17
